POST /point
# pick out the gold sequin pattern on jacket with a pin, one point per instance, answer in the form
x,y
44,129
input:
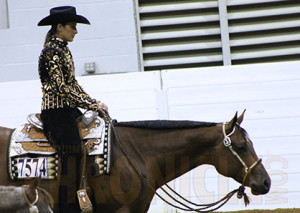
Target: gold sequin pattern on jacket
x,y
59,86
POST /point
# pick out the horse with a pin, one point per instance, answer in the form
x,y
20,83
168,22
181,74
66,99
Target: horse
x,y
148,154
25,198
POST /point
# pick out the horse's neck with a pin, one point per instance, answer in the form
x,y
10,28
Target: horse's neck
x,y
11,199
191,148
5,133
175,152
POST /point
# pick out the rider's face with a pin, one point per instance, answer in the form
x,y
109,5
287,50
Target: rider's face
x,y
67,32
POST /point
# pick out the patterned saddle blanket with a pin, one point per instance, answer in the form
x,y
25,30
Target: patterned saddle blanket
x,y
32,155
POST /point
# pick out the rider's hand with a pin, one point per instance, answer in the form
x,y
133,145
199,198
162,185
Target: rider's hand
x,y
102,108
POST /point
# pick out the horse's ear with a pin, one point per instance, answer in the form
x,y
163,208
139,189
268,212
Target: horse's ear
x,y
232,123
241,117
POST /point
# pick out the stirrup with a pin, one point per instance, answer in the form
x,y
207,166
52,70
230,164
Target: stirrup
x,y
84,201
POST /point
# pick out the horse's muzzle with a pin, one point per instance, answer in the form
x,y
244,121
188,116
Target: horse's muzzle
x,y
263,188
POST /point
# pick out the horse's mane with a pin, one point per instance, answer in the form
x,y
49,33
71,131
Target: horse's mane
x,y
165,124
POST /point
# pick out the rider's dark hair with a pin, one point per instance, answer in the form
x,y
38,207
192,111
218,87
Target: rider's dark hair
x,y
52,32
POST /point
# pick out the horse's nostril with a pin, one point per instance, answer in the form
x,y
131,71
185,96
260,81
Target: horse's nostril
x,y
267,183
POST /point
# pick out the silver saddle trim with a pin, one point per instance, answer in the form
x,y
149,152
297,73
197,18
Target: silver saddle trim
x,y
97,133
88,117
16,147
32,119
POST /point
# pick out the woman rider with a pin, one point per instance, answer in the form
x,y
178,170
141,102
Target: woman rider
x,y
62,95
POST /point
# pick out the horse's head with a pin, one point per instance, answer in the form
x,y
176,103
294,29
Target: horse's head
x,y
235,157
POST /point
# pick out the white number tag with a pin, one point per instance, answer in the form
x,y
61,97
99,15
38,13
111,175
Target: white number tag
x,y
32,167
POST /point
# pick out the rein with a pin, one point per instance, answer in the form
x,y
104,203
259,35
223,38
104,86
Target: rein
x,y
203,207
32,207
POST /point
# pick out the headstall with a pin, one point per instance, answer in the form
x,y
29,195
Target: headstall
x,y
227,143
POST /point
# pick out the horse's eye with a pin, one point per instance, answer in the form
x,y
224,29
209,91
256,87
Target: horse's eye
x,y
242,148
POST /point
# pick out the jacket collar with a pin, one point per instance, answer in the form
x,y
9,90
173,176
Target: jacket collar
x,y
60,41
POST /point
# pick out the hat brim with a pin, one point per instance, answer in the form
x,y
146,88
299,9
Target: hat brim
x,y
63,18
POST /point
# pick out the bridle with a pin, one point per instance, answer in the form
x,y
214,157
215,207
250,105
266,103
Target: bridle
x,y
32,207
227,143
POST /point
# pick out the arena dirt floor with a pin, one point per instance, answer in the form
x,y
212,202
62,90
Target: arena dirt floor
x,y
267,211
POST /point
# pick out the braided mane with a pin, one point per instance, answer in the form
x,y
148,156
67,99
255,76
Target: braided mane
x,y
165,124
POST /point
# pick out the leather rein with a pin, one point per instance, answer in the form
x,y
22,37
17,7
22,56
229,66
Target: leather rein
x,y
203,207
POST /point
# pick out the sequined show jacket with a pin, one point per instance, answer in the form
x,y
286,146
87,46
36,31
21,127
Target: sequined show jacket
x,y
57,74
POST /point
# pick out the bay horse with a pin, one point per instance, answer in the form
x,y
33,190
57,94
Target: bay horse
x,y
148,154
24,199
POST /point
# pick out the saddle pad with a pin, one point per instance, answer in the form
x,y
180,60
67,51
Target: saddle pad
x,y
27,167
104,160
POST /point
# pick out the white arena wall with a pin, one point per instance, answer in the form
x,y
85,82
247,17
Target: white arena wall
x,y
269,92
110,41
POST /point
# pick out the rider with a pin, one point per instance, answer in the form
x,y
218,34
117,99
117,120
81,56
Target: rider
x,y
62,95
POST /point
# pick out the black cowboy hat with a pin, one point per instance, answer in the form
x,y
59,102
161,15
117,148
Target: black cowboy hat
x,y
63,15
